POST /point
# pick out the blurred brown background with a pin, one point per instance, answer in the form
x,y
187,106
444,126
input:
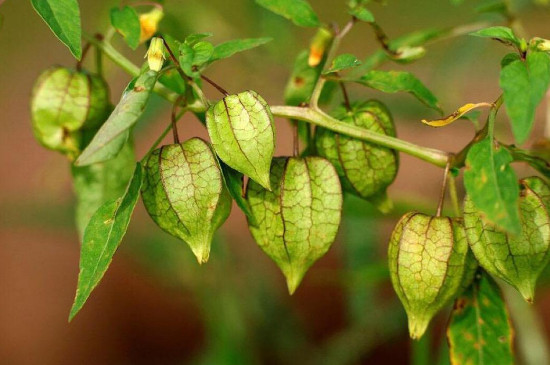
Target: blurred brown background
x,y
155,305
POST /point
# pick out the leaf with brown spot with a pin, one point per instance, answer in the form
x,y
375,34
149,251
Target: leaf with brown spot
x,y
480,334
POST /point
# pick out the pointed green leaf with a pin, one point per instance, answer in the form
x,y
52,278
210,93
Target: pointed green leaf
x,y
297,221
193,57
112,135
503,34
398,81
343,62
185,194
229,48
242,132
298,11
98,183
524,85
63,18
192,39
480,332
102,237
492,184
126,21
362,14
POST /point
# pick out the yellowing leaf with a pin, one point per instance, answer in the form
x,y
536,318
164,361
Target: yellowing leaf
x,y
456,115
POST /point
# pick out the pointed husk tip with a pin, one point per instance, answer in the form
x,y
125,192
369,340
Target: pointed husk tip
x,y
418,326
527,291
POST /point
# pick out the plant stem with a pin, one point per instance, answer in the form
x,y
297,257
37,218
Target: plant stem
x,y
443,188
421,350
454,196
319,118
157,142
488,130
381,56
316,94
216,86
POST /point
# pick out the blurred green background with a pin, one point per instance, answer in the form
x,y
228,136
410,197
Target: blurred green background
x,y
155,304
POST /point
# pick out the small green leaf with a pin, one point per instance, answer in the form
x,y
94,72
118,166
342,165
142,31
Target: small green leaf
x,y
297,222
229,48
398,81
503,34
492,184
63,18
98,183
242,132
343,62
202,53
113,134
524,85
192,58
185,195
126,21
362,14
234,181
102,237
192,39
496,6
480,331
298,11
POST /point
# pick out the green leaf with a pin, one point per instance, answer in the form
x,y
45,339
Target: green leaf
x,y
496,6
298,11
480,332
234,181
185,195
192,39
492,184
192,58
63,18
98,183
112,135
524,85
343,62
297,222
398,81
126,21
242,132
102,237
229,48
503,34
362,14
